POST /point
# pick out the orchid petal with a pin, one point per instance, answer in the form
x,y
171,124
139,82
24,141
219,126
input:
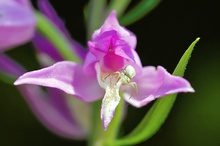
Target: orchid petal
x,y
136,62
112,62
109,104
103,42
112,29
109,40
111,23
17,23
55,117
9,66
67,76
59,100
111,98
25,3
89,65
172,84
45,47
155,83
113,46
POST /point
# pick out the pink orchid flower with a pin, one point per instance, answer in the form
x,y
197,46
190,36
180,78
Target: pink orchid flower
x,y
111,66
17,23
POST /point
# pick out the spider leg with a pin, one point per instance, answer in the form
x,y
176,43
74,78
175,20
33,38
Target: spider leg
x,y
134,87
113,73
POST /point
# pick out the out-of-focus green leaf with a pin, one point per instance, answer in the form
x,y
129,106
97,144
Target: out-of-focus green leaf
x,y
96,136
139,11
46,28
7,78
95,15
85,13
119,6
158,113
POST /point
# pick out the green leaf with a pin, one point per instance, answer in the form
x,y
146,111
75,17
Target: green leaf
x,y
181,67
95,16
47,28
119,6
96,134
158,113
7,78
139,11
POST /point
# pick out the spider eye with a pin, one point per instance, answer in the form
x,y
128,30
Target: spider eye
x,y
129,71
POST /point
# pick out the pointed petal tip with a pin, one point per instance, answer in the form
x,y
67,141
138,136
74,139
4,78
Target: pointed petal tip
x,y
105,125
23,79
158,83
112,18
113,13
189,89
18,82
192,90
105,120
183,90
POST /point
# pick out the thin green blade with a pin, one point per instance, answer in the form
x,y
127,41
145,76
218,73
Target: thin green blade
x,y
139,11
158,113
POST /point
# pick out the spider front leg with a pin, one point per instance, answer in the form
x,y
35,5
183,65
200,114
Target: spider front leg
x,y
134,87
115,73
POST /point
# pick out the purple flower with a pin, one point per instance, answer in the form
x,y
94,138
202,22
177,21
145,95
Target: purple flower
x,y
17,23
51,107
111,66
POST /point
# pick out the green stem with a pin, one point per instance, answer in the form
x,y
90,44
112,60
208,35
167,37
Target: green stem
x,y
95,138
95,16
56,37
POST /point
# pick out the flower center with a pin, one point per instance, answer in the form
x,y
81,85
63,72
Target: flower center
x,y
112,62
111,82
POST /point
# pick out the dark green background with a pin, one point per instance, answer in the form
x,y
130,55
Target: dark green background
x,y
163,36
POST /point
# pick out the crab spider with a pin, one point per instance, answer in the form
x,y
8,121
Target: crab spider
x,y
125,76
